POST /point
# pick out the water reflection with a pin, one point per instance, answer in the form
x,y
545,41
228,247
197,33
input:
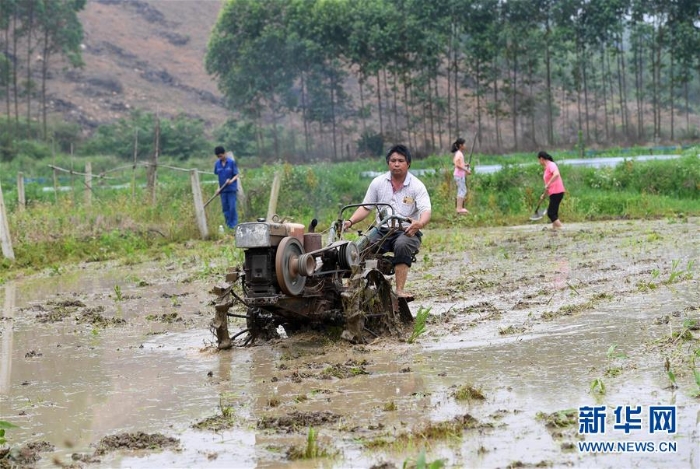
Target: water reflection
x,y
84,382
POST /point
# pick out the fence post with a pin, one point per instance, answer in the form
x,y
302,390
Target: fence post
x,y
199,205
242,200
5,238
55,184
6,336
21,200
88,183
274,193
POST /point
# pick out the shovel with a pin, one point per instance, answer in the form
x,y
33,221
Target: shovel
x,y
539,213
218,191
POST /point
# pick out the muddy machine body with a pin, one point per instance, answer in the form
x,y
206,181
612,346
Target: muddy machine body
x,y
290,279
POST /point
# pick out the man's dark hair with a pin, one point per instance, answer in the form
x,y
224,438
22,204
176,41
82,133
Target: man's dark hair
x,y
219,150
401,150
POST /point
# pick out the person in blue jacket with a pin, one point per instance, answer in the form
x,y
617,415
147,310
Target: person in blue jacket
x,y
227,170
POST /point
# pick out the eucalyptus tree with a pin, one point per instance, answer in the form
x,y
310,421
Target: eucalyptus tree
x,y
571,62
498,43
28,12
428,48
603,28
329,27
684,42
370,22
476,26
522,43
60,33
249,54
655,13
7,12
641,34
544,34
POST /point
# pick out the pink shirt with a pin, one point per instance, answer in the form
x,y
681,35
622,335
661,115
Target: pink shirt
x,y
550,169
459,159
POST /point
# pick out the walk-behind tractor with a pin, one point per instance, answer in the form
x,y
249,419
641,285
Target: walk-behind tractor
x,y
289,279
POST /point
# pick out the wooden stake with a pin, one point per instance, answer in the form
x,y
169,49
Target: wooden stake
x,y
88,183
199,205
5,238
274,193
21,199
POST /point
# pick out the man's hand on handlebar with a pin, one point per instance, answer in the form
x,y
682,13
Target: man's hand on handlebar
x,y
413,228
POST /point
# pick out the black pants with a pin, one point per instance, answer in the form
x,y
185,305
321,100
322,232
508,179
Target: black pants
x,y
403,246
553,209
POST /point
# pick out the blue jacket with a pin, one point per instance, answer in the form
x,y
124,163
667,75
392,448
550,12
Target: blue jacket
x,y
226,171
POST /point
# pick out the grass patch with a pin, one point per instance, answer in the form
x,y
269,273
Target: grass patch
x,y
469,393
559,419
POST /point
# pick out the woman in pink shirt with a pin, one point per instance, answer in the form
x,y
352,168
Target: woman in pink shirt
x,y
554,186
460,174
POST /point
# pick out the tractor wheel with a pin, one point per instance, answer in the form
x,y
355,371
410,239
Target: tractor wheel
x,y
261,325
372,311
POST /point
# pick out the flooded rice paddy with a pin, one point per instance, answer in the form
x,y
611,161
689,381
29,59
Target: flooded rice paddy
x,y
115,366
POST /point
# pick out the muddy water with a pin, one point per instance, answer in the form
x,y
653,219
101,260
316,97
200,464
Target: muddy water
x,y
530,318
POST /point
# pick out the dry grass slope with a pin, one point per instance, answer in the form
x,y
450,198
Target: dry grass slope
x,y
141,54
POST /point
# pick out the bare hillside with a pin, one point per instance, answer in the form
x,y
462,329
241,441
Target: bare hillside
x,y
141,54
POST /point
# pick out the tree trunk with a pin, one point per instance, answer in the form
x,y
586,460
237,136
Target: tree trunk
x,y
455,67
548,66
14,70
671,86
578,84
334,127
30,28
596,96
305,114
605,94
379,104
449,80
44,73
407,108
514,104
639,89
362,106
623,87
497,112
395,99
586,111
431,111
478,100
153,167
439,113
656,73
687,107
531,117
612,94
7,73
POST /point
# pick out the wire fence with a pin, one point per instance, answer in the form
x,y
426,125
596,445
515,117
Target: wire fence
x,y
83,187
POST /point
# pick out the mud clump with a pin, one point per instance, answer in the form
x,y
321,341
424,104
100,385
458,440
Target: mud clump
x,y
559,419
216,423
168,318
57,310
25,456
135,441
296,421
93,317
345,370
